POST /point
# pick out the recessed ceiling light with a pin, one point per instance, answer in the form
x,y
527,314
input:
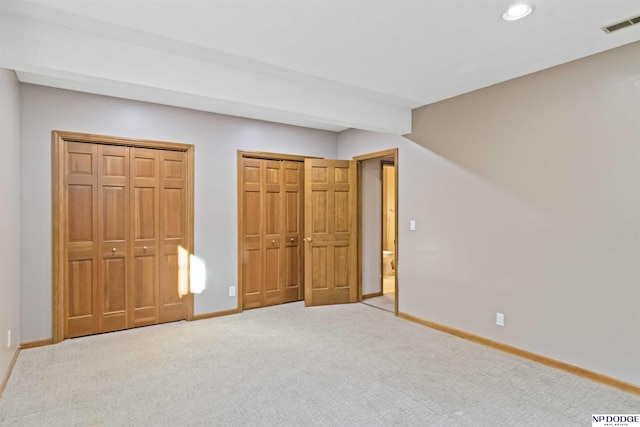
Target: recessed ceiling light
x,y
518,11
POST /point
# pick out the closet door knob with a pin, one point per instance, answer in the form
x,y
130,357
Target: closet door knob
x,y
273,242
113,250
292,240
145,248
307,239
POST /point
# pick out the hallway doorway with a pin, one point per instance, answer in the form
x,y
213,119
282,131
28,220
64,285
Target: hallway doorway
x,y
378,231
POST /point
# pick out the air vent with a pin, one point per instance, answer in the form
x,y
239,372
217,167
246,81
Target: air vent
x,y
626,23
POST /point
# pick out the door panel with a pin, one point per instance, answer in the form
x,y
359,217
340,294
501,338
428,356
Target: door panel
x,y
144,292
174,258
330,231
293,269
293,219
114,295
80,207
252,224
113,208
145,279
80,292
252,273
145,215
319,262
81,239
173,217
272,276
273,261
263,258
80,318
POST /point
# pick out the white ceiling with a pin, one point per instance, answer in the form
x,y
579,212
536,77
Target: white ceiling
x,y
324,64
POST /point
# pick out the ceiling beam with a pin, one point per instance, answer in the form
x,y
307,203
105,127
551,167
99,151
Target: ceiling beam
x,y
52,55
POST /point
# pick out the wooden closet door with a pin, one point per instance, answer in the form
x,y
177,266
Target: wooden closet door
x,y
252,218
81,235
144,289
272,194
174,257
272,235
113,237
293,205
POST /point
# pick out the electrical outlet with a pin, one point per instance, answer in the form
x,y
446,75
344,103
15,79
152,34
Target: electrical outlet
x,y
499,319
9,338
232,291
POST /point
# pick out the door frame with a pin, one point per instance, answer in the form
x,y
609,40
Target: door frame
x,y
393,152
262,155
58,203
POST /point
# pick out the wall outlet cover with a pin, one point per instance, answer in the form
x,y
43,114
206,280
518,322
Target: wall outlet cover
x,y
500,319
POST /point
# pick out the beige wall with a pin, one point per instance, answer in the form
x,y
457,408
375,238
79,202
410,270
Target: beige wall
x,y
9,217
526,197
216,138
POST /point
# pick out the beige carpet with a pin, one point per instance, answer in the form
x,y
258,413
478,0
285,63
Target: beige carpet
x,y
348,365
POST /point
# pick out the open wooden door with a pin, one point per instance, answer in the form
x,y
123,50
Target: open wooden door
x,y
331,255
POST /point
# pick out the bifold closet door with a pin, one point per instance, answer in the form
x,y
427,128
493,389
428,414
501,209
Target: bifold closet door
x,y
272,221
263,258
126,227
97,238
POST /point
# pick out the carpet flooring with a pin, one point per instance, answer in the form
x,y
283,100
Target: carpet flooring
x,y
345,365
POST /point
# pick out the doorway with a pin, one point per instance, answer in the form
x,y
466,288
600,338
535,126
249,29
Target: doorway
x,y
378,180
388,172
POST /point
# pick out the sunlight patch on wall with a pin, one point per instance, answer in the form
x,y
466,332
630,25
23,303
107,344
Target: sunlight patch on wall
x,y
183,271
192,273
198,274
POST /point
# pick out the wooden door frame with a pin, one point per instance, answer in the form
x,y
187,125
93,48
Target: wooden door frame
x,y
371,156
58,203
261,155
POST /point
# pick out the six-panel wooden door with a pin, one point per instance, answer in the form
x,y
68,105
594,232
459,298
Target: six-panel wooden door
x,y
330,232
271,264
125,225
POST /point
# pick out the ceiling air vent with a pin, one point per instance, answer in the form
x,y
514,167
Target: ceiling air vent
x,y
626,23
